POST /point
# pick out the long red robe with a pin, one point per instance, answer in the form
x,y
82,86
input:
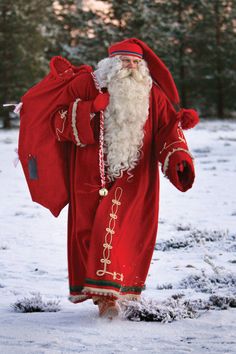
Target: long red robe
x,y
111,239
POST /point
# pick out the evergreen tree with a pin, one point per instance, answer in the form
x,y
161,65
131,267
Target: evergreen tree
x,y
216,56
22,46
167,26
80,33
196,40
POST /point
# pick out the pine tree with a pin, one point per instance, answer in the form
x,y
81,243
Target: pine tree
x,y
80,33
166,26
22,45
196,40
216,55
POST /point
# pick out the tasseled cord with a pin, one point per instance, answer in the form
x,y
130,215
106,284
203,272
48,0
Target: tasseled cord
x,y
103,191
17,106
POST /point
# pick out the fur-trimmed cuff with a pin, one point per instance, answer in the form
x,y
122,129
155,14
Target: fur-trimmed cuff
x,y
82,122
167,159
73,123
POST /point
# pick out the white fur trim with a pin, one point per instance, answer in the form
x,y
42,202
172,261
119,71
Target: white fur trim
x,y
106,292
167,159
73,123
77,298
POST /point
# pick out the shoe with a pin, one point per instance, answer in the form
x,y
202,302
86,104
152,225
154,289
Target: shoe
x,y
108,308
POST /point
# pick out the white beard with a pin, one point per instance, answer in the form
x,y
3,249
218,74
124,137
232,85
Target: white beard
x,y
125,117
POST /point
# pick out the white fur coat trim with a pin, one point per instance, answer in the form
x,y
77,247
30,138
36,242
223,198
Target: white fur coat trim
x,y
73,123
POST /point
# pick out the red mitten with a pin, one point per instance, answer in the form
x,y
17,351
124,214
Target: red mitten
x,y
101,102
181,171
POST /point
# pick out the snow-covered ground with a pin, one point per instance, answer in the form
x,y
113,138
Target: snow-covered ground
x,y
195,258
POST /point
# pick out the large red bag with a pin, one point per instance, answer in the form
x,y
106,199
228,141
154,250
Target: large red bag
x,y
44,159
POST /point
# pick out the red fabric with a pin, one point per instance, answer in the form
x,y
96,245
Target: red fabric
x,y
188,118
38,148
182,180
174,150
62,123
125,48
111,239
100,102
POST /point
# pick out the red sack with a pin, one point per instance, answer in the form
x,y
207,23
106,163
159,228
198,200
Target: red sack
x,y
44,159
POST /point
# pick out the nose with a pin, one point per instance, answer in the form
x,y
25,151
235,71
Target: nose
x,y
131,65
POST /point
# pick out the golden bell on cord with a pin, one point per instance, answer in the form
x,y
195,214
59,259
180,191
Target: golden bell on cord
x,y
103,192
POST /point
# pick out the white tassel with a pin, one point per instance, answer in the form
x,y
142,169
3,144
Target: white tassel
x,y
17,106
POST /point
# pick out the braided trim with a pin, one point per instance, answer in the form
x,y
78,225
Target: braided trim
x,y
101,138
73,123
63,116
167,159
108,238
181,138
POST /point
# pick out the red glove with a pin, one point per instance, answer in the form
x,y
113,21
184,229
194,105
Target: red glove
x,y
181,172
101,102
180,166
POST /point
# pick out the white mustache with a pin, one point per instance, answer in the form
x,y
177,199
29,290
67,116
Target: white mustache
x,y
134,73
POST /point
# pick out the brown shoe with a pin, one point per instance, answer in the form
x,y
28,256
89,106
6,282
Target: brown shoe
x,y
108,308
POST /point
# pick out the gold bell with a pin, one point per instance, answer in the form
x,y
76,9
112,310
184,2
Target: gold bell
x,y
103,192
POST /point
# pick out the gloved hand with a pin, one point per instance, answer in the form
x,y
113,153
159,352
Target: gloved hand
x,y
101,102
184,173
180,166
181,172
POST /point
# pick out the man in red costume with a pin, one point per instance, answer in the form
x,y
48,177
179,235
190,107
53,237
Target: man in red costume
x,y
112,224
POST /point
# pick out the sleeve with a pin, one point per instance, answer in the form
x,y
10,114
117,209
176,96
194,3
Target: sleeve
x,y
172,149
75,123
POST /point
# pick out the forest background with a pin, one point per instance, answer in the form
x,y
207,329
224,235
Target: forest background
x,y
195,38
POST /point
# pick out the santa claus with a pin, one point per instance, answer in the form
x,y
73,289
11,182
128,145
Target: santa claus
x,y
121,125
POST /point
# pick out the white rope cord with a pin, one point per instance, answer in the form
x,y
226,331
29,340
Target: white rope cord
x,y
103,191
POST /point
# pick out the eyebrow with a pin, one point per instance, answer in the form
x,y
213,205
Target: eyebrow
x,y
128,58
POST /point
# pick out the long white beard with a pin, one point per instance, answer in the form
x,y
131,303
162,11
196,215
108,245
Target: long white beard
x,y
125,117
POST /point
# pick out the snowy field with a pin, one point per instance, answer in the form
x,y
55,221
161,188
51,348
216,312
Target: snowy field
x,y
193,261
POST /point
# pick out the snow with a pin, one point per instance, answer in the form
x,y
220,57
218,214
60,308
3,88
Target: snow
x,y
197,228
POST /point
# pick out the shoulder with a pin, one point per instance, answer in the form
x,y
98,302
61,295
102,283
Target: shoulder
x,y
158,95
84,75
83,85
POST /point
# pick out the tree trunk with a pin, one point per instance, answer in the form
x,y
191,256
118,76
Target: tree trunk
x,y
4,114
182,73
6,121
219,65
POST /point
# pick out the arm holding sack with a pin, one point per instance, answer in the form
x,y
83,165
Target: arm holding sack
x,y
172,148
75,122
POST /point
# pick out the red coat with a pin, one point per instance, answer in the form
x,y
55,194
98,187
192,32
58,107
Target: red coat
x,y
111,239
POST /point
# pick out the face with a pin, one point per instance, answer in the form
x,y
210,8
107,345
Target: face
x,y
129,62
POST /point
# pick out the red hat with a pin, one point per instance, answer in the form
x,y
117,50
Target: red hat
x,y
125,48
